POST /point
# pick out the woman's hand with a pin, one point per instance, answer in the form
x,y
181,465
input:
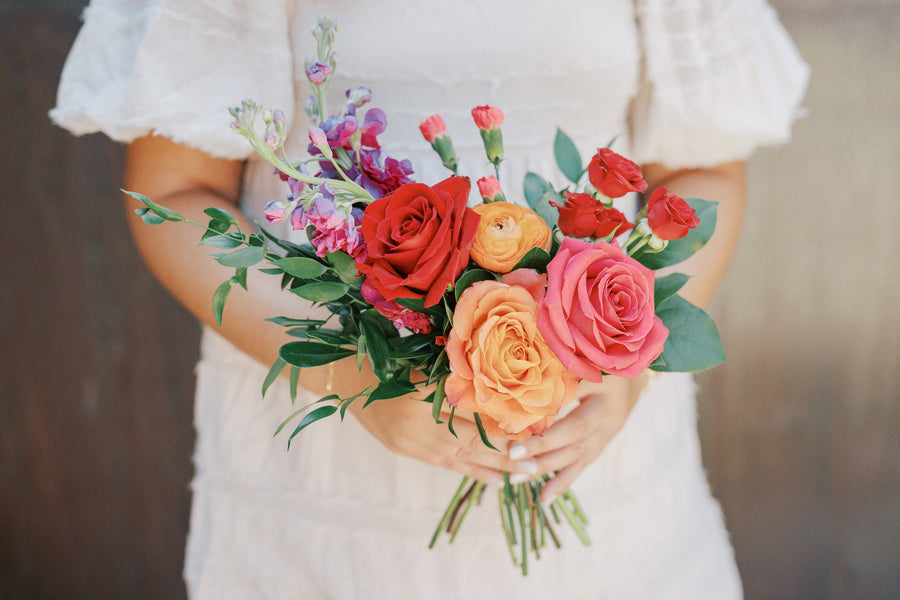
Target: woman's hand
x,y
576,440
406,426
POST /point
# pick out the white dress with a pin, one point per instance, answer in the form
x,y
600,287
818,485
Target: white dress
x,y
339,516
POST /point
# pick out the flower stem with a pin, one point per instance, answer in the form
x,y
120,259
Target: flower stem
x,y
450,510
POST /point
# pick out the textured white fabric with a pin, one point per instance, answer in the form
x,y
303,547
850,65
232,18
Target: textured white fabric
x,y
339,516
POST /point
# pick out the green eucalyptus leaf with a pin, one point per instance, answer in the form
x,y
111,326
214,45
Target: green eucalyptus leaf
x,y
303,268
693,343
152,218
245,257
548,213
664,287
534,187
678,250
471,277
536,258
219,298
311,417
222,242
217,214
321,291
311,354
393,388
567,156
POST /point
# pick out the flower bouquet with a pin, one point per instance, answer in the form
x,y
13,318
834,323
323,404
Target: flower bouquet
x,y
498,310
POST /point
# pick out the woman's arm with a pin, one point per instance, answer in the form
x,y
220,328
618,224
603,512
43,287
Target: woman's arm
x,y
188,181
578,439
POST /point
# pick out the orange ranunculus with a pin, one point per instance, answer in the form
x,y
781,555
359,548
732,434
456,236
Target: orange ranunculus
x,y
505,234
501,366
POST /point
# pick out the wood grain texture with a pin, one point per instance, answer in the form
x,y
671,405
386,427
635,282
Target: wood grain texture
x,y
799,429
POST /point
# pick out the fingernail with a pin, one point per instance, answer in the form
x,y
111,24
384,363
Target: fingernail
x,y
495,481
527,466
517,478
517,451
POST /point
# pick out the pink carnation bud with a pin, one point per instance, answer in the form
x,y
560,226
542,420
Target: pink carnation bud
x,y
487,117
489,188
433,127
317,72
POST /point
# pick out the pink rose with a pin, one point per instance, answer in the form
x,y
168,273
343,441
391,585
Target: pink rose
x,y
598,312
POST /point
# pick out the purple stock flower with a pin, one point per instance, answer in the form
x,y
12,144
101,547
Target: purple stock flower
x,y
359,96
374,124
276,211
317,72
382,174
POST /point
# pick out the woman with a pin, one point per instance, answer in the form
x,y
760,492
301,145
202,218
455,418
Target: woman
x,y
690,88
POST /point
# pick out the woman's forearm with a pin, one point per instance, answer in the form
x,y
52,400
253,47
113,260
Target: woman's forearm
x,y
726,185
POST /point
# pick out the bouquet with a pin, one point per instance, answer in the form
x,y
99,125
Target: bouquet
x,y
500,310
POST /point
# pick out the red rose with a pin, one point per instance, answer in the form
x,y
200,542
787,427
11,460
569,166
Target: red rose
x,y
418,239
585,216
670,217
614,175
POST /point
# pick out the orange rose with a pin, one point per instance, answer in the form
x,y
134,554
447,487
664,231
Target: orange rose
x,y
501,366
505,234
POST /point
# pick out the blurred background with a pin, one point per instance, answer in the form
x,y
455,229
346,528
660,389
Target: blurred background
x,y
800,429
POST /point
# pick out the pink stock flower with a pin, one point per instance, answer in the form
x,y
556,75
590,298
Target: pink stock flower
x,y
318,139
317,72
598,312
276,211
432,127
489,188
487,117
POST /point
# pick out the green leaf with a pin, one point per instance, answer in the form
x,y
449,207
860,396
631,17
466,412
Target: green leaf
x,y
386,390
678,250
668,286
567,156
245,257
483,433
312,417
223,242
437,400
304,268
276,369
152,219
256,240
217,214
344,266
219,298
321,291
240,277
160,211
311,354
536,258
548,213
329,336
289,322
470,277
693,343
534,187
294,380
377,347
141,211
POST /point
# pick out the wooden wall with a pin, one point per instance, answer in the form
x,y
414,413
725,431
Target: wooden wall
x,y
800,428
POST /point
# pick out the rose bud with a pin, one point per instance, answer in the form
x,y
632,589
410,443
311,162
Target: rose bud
x,y
614,175
670,217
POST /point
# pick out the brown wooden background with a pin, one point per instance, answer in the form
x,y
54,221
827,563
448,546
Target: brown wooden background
x,y
801,429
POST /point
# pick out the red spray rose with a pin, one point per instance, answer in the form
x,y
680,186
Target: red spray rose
x,y
614,175
418,239
670,217
585,216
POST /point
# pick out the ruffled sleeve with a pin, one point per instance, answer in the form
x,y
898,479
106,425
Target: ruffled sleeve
x,y
173,67
721,77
